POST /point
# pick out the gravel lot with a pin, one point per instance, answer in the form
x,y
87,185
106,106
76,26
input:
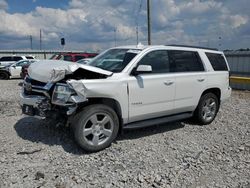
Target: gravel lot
x,y
34,153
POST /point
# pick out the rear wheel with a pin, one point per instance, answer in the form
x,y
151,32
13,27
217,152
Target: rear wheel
x,y
96,127
207,109
4,75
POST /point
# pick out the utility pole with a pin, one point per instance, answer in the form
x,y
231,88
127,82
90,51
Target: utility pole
x,y
149,22
40,39
31,45
137,37
115,36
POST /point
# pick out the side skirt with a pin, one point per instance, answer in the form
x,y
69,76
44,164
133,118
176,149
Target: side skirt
x,y
155,121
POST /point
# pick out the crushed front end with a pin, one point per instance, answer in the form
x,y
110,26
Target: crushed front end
x,y
48,100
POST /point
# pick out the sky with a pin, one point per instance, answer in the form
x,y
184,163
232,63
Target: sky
x,y
95,25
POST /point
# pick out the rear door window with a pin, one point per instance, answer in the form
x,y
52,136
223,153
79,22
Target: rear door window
x,y
185,61
217,61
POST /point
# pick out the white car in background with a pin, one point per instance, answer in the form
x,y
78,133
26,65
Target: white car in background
x,y
14,70
8,60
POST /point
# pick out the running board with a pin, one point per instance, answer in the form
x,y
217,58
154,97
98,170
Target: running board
x,y
156,121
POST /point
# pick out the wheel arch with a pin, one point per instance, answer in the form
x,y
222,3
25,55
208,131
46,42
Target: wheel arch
x,y
112,103
214,90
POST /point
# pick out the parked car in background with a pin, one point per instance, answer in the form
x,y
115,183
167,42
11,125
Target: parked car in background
x,y
14,70
24,69
74,57
8,60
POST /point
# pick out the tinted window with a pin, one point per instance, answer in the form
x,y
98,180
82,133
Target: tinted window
x,y
29,57
78,57
6,59
67,58
22,63
158,60
17,58
185,61
217,61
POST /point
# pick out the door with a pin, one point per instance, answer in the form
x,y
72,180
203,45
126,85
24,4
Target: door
x,y
152,94
190,79
16,68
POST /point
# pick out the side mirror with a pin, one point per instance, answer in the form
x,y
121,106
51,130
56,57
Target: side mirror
x,y
142,69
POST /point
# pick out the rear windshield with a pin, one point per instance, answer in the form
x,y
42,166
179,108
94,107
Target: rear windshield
x,y
217,61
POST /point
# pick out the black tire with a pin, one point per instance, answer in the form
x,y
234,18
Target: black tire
x,y
83,123
202,114
4,75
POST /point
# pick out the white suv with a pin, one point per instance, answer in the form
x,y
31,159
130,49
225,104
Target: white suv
x,y
128,87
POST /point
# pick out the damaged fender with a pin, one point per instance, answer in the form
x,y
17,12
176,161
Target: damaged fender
x,y
56,70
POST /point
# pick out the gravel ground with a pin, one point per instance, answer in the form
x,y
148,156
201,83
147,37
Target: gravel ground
x,y
34,153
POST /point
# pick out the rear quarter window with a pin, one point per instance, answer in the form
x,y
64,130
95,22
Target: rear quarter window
x,y
217,61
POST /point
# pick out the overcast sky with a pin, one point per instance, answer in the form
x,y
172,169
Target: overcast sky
x,y
94,24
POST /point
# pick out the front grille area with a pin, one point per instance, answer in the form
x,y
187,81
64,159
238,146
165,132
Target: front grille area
x,y
34,82
26,92
34,87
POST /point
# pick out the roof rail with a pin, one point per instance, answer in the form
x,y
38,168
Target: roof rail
x,y
177,45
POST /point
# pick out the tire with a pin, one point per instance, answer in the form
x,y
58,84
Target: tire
x,y
95,127
207,109
4,75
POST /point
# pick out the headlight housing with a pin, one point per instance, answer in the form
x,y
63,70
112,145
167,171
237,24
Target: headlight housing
x,y
61,94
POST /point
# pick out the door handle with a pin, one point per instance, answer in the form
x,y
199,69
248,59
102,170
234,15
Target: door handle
x,y
168,83
201,80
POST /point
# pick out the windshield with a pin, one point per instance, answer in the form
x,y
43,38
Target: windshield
x,y
114,60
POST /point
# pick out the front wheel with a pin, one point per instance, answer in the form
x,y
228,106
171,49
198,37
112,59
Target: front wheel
x,y
207,109
96,127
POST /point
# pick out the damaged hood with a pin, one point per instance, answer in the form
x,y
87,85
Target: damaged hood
x,y
56,70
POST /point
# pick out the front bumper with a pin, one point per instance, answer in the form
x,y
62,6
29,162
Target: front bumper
x,y
34,105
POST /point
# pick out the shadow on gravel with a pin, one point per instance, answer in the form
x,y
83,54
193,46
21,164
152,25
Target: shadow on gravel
x,y
148,131
20,84
37,130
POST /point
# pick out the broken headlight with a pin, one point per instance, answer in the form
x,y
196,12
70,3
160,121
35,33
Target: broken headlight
x,y
61,94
